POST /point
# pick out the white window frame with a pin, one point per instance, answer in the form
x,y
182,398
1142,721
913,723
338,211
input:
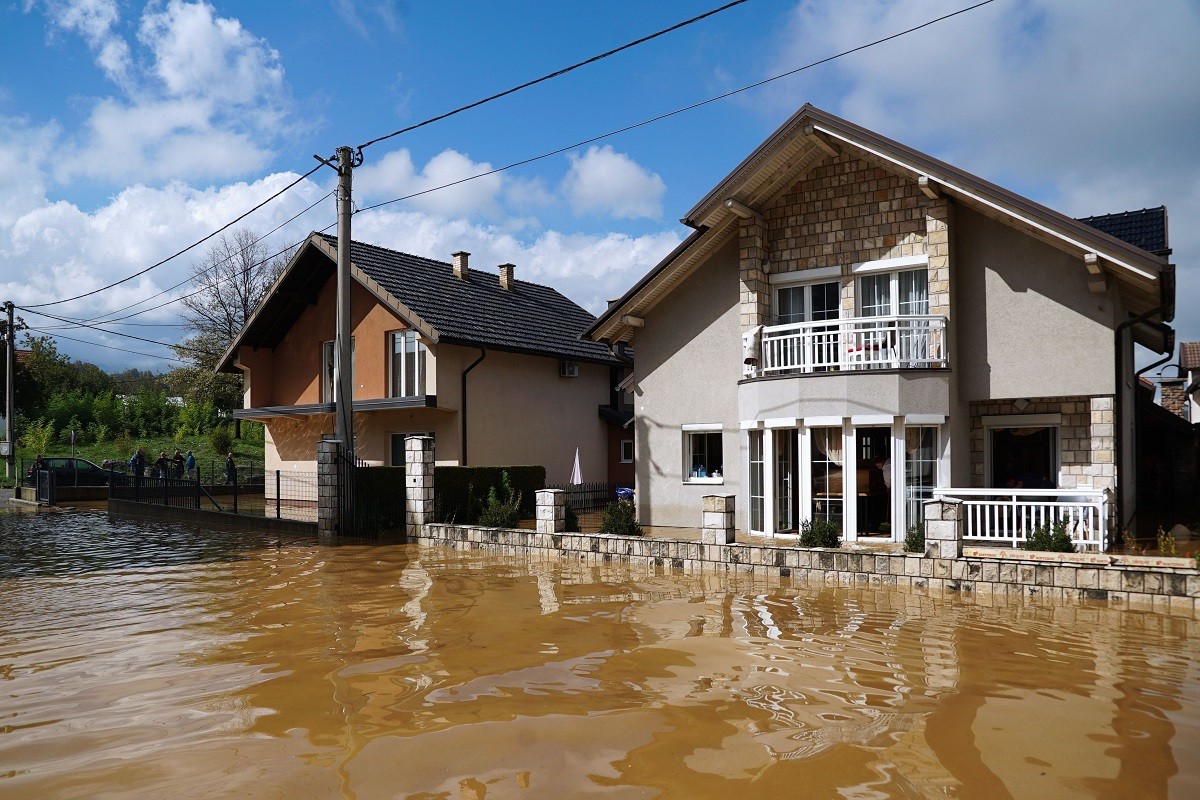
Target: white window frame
x,y
990,423
423,358
893,277
701,429
805,279
327,358
627,459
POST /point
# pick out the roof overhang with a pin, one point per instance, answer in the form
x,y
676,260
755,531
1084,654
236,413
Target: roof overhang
x,y
297,288
1145,280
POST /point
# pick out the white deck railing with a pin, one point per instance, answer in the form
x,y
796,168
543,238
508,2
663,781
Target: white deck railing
x,y
1008,516
857,343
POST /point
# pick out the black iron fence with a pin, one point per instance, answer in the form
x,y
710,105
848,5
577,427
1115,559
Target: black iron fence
x,y
282,494
587,496
210,472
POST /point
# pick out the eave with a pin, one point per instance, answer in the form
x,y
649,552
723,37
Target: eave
x,y
308,409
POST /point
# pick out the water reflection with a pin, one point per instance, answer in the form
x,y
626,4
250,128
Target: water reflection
x,y
214,663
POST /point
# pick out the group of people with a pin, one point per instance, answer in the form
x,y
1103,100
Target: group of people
x,y
176,466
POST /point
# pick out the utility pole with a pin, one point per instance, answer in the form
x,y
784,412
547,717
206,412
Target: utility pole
x,y
10,411
343,360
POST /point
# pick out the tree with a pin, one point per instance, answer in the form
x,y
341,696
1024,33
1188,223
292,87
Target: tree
x,y
232,278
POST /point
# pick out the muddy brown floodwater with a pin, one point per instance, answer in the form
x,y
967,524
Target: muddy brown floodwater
x,y
142,660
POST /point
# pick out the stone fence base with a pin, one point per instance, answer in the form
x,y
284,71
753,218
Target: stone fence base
x,y
1174,590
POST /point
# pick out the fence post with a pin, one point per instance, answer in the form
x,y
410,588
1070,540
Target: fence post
x,y
197,492
277,504
551,511
418,484
944,523
718,517
235,489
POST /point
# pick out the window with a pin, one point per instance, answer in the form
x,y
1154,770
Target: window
x,y
920,470
627,451
702,455
827,459
327,370
407,364
398,445
757,488
807,303
887,294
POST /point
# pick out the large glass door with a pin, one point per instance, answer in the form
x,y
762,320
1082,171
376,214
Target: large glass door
x,y
786,470
873,481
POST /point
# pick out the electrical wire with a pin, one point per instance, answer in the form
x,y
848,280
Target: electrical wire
x,y
106,346
680,110
554,74
176,347
192,246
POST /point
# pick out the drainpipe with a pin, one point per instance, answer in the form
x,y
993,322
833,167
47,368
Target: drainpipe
x,y
474,364
1119,408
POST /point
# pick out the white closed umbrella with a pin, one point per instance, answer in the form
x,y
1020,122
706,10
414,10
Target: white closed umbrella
x,y
576,472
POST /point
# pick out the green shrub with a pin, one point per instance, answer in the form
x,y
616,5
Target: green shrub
x,y
820,533
99,432
220,439
1053,540
461,492
503,508
1166,543
39,436
570,519
620,518
914,540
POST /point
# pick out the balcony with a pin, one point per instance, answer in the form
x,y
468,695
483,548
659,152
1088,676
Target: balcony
x,y
853,344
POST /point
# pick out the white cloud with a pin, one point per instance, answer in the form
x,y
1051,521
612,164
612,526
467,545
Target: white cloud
x,y
395,175
381,12
605,181
94,20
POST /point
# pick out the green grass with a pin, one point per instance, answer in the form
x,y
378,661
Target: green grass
x,y
246,451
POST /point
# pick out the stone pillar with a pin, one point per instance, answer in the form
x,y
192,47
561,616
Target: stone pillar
x,y
718,519
753,286
551,511
944,526
418,484
328,505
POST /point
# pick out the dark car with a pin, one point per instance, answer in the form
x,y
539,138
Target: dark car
x,y
71,472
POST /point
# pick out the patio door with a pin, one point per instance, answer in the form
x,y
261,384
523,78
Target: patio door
x,y
1024,458
812,302
891,294
786,481
873,481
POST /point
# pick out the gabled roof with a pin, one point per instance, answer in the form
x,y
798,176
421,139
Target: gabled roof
x,y
1189,355
808,138
1146,229
476,312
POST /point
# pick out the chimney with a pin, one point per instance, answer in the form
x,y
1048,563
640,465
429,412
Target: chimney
x,y
1172,398
506,276
460,264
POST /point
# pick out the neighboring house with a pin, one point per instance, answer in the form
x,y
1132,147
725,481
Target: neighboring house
x,y
1188,395
492,367
848,306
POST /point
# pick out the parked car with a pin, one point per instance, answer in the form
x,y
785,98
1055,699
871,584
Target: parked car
x,y
71,472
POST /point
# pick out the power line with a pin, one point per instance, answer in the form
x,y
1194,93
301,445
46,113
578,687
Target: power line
x,y
683,109
105,346
176,347
554,74
224,227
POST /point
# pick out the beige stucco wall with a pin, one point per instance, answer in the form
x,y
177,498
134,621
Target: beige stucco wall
x,y
688,364
1029,327
846,394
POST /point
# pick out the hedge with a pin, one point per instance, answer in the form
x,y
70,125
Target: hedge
x,y
460,492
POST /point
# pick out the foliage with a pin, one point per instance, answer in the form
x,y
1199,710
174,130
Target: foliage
x,y
1130,545
99,432
620,518
503,508
462,491
39,436
820,532
1166,543
570,519
914,540
220,439
1055,539
198,417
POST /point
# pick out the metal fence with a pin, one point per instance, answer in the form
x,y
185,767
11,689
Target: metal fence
x,y
283,494
587,496
210,472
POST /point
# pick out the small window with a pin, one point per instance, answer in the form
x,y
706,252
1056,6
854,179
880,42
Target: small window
x,y
407,364
327,358
627,451
703,457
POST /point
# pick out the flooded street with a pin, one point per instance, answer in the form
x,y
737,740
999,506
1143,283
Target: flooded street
x,y
145,660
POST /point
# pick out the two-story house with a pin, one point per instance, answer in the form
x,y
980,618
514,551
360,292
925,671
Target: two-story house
x,y
854,326
492,367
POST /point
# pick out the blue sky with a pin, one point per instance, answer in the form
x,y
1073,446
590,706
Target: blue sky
x,y
130,129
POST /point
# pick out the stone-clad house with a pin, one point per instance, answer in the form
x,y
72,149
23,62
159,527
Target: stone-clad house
x,y
854,327
492,367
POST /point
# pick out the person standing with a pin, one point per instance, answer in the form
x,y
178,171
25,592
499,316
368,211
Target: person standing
x,y
177,463
230,470
162,466
189,464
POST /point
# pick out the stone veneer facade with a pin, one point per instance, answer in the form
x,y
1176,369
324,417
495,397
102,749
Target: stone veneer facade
x,y
1086,438
842,212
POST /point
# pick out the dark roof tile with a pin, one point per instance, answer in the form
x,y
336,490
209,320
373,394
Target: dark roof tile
x,y
1146,229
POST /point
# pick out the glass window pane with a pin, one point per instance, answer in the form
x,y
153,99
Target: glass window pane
x,y
914,292
790,301
875,295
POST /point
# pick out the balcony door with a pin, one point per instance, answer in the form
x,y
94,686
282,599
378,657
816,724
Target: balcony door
x,y
895,294
811,302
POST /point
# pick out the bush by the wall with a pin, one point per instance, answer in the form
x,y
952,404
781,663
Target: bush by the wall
x,y
1053,540
620,518
502,509
914,540
820,533
221,439
570,519
460,493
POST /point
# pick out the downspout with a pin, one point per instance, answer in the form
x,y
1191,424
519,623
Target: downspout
x,y
474,364
1119,408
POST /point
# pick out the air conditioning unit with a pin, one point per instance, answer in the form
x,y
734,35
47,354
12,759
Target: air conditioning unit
x,y
568,369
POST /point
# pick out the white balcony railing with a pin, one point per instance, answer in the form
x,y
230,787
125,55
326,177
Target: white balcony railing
x,y
1008,516
860,343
